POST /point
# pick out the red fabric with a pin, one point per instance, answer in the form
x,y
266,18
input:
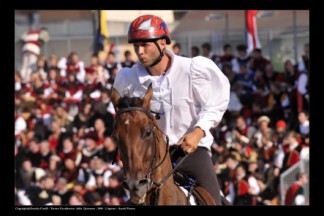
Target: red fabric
x,y
299,102
72,67
90,70
100,141
243,187
293,158
70,155
291,193
53,142
44,165
248,151
252,29
244,131
73,88
36,42
281,123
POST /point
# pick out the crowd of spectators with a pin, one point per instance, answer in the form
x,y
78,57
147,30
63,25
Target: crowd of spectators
x,y
64,120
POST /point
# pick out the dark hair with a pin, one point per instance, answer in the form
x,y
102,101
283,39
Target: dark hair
x,y
195,48
299,175
257,50
231,156
305,112
241,47
107,133
127,53
176,45
206,46
226,46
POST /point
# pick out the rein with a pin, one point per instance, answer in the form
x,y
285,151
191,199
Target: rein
x,y
159,184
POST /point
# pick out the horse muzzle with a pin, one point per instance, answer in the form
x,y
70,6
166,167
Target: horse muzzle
x,y
138,189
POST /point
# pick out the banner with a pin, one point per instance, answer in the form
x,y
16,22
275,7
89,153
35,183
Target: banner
x,y
252,33
102,32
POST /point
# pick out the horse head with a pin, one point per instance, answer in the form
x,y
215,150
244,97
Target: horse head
x,y
137,137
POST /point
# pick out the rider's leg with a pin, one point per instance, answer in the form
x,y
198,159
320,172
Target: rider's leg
x,y
199,166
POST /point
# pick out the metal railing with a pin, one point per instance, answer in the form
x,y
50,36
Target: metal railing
x,y
277,44
289,177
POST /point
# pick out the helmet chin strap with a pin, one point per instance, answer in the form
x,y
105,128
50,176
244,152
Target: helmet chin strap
x,y
160,57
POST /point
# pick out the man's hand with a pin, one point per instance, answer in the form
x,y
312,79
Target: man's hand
x,y
189,142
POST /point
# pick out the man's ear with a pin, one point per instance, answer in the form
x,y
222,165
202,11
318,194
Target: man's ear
x,y
115,97
147,98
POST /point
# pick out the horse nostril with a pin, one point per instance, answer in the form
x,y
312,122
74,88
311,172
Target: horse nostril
x,y
126,186
143,182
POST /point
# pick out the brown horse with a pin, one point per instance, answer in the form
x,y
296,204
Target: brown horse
x,y
145,156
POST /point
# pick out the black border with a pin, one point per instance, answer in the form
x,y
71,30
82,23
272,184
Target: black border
x,y
7,105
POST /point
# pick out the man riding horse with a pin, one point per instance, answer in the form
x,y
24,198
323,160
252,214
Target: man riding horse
x,y
190,96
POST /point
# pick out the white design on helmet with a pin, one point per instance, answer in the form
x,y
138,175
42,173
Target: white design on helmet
x,y
146,25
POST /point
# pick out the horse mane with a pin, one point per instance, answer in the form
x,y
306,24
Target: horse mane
x,y
126,102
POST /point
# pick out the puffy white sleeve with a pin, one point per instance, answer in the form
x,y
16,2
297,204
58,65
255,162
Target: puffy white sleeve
x,y
211,91
121,81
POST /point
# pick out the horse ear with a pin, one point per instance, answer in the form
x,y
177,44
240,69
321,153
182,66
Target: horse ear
x,y
115,97
147,97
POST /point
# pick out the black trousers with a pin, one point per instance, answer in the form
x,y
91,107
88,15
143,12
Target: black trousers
x,y
198,165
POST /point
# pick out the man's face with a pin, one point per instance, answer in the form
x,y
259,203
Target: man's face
x,y
147,52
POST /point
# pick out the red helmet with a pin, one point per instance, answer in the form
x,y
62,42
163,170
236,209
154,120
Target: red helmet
x,y
148,28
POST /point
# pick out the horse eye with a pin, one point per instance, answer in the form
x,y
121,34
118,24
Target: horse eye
x,y
148,133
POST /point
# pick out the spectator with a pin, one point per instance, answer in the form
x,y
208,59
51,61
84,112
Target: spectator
x,y
100,73
195,51
207,52
303,127
105,98
295,194
291,149
112,64
41,67
257,60
176,49
53,62
62,191
227,57
74,65
243,58
303,65
304,153
281,128
263,130
128,60
242,132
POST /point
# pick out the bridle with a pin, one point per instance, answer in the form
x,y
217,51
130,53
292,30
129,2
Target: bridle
x,y
153,163
155,186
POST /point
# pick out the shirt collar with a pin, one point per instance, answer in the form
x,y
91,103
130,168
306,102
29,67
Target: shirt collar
x,y
143,74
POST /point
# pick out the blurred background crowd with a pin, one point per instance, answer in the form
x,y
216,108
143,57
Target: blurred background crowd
x,y
64,117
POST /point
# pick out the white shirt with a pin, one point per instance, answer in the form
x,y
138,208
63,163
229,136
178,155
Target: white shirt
x,y
20,125
302,83
192,93
304,128
304,153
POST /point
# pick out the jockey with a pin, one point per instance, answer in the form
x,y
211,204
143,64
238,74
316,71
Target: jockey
x,y
192,95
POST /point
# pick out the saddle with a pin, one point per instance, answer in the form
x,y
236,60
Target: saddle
x,y
201,196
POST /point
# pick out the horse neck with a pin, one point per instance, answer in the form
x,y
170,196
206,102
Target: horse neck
x,y
170,194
